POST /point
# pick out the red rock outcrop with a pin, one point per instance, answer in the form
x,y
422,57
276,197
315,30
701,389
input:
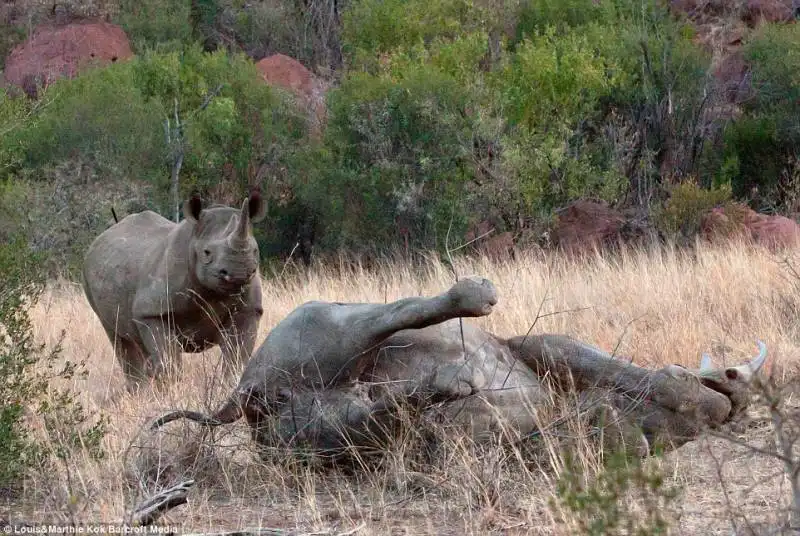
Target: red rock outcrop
x,y
287,73
756,11
585,225
485,241
740,221
63,51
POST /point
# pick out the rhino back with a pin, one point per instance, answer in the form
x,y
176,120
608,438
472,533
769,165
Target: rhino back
x,y
117,262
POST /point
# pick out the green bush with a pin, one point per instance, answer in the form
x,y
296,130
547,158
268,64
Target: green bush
x,y
399,148
552,91
28,370
156,24
100,115
600,504
601,96
762,145
227,135
372,28
682,214
116,117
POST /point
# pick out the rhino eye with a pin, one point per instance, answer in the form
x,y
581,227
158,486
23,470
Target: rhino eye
x,y
207,253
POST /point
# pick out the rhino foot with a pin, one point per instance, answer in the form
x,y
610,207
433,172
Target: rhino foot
x,y
473,296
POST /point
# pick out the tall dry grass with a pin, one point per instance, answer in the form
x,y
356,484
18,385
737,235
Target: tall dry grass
x,y
659,307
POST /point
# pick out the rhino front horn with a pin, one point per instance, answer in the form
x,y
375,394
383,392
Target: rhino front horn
x,y
749,370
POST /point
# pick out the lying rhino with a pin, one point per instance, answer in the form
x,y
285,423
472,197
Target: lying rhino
x,y
160,287
330,376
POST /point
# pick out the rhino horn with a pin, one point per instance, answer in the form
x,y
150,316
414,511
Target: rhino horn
x,y
758,361
241,233
744,373
705,362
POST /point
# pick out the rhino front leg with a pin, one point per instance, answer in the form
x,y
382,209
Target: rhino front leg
x,y
237,343
162,348
238,340
322,344
366,325
132,359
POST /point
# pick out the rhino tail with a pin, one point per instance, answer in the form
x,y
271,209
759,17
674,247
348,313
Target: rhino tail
x,y
113,213
230,412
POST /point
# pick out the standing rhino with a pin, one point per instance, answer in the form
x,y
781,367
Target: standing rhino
x,y
330,376
160,287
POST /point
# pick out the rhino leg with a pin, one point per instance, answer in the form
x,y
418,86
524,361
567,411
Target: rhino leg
x,y
615,429
366,325
321,344
239,340
132,359
161,346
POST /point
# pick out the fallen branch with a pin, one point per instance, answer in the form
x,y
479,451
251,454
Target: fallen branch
x,y
150,510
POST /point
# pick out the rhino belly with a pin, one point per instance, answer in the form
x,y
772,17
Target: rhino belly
x,y
196,338
507,390
507,404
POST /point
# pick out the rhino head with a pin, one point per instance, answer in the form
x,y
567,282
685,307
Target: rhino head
x,y
223,254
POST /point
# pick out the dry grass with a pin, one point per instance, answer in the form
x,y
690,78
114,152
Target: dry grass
x,y
659,307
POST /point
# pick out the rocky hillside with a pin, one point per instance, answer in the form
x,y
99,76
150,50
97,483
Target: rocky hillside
x,y
524,124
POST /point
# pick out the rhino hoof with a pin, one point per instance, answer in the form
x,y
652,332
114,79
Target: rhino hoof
x,y
473,296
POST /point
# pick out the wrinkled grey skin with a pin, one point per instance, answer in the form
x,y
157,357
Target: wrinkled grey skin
x,y
332,375
160,287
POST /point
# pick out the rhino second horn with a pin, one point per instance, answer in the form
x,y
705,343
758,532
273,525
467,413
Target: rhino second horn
x,y
758,361
705,362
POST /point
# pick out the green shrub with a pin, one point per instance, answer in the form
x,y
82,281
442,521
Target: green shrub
x,y
268,27
601,96
100,115
601,504
773,52
10,36
399,147
754,156
115,118
551,89
28,370
13,112
762,145
372,28
156,24
227,135
682,214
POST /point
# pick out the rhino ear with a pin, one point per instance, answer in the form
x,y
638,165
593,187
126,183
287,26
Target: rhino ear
x,y
256,206
192,208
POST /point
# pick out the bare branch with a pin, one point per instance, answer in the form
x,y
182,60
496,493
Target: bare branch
x,y
150,510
